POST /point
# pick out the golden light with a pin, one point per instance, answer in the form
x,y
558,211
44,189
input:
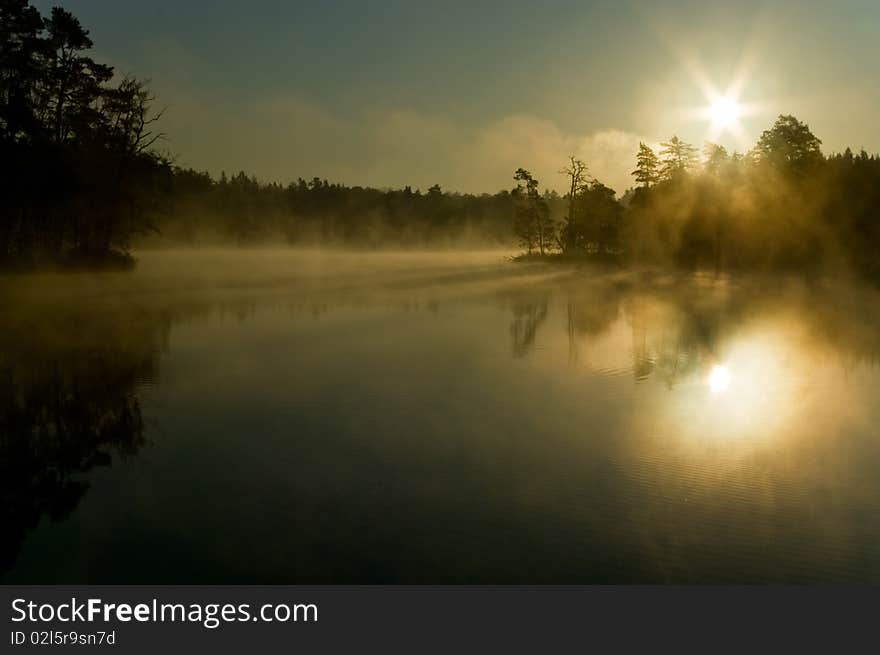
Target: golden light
x,y
749,392
724,111
726,101
719,379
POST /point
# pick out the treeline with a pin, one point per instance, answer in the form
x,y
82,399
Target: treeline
x,y
80,179
241,210
781,206
78,175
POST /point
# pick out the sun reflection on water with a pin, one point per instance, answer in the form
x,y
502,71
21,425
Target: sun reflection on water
x,y
719,379
756,389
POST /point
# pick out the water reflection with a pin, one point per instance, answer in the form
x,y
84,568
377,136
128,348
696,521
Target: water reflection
x,y
719,378
68,404
433,421
527,318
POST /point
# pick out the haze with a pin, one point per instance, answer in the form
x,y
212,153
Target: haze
x,y
460,94
567,293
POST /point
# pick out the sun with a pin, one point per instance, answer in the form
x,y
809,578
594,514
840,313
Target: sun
x,y
724,111
719,379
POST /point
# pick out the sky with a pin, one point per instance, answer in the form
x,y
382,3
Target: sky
x,y
394,93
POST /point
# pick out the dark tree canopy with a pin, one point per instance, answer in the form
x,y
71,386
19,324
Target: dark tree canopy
x,y
78,172
783,206
676,157
80,179
532,224
789,144
717,159
647,172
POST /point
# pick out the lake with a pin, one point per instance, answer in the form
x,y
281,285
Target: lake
x,y
325,417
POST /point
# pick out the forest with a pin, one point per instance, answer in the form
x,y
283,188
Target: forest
x,y
243,211
79,174
782,205
84,181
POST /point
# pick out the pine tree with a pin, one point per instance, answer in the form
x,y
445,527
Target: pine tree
x,y
532,222
717,159
647,171
677,158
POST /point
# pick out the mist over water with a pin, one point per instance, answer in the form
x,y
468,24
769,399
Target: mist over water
x,y
318,416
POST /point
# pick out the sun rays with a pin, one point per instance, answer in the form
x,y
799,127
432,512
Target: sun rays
x,y
725,100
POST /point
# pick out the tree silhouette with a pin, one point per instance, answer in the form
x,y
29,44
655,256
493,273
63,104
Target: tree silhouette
x,y
782,206
532,223
21,50
68,404
578,180
716,158
78,174
74,81
647,172
677,157
789,145
80,180
600,219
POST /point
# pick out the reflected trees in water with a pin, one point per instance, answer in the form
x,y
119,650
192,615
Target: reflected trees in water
x,y
68,404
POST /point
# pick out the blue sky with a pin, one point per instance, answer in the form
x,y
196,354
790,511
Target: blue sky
x,y
390,93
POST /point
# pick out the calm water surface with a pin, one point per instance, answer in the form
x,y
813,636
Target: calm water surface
x,y
334,418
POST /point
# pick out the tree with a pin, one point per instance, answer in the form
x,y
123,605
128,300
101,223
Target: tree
x,y
647,171
74,80
532,223
129,118
677,157
20,51
578,180
717,158
77,172
128,131
789,145
600,215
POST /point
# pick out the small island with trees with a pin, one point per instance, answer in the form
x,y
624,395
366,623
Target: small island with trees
x,y
781,206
